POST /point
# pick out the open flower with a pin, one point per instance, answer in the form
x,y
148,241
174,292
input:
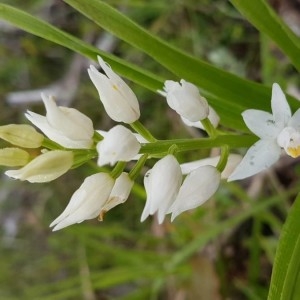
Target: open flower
x,y
185,99
162,184
66,126
119,144
86,202
277,130
197,188
118,99
45,167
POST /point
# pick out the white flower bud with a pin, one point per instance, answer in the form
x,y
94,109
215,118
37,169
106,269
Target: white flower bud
x,y
66,126
46,167
197,188
185,99
162,183
22,135
87,202
119,144
118,99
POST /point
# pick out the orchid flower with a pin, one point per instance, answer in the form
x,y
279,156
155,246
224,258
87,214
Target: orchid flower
x,y
278,130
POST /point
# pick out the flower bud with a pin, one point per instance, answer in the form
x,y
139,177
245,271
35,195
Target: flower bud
x,y
66,126
22,135
13,157
86,202
46,167
162,183
212,116
118,99
119,144
185,99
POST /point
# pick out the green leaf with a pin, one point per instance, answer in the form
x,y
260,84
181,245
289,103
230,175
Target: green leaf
x,y
44,30
285,281
229,94
264,18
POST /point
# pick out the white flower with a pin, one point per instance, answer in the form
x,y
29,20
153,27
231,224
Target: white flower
x,y
45,167
119,193
118,99
119,144
185,99
277,130
87,202
197,188
212,116
232,162
65,126
162,184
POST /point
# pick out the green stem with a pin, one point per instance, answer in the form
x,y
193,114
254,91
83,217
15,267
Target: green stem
x,y
49,144
97,137
233,141
209,128
143,131
136,170
223,158
118,169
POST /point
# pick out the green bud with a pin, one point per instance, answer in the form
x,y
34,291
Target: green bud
x,y
13,157
23,135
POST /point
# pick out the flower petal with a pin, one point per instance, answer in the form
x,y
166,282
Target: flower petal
x,y
280,107
162,183
197,188
259,157
46,167
295,120
261,123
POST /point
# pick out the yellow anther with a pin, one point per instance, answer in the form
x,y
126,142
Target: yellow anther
x,y
293,152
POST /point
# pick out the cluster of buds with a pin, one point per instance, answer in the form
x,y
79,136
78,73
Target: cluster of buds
x,y
70,140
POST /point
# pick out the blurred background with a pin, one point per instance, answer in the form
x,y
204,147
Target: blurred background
x,y
214,252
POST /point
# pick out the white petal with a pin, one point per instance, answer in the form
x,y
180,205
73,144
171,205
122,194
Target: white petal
x,y
280,107
120,192
212,116
197,188
45,167
86,202
261,123
119,144
295,120
233,161
262,155
162,183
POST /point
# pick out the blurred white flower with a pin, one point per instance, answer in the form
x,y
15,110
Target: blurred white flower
x,y
212,116
185,99
66,126
45,167
197,188
118,99
277,130
119,144
162,184
87,202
